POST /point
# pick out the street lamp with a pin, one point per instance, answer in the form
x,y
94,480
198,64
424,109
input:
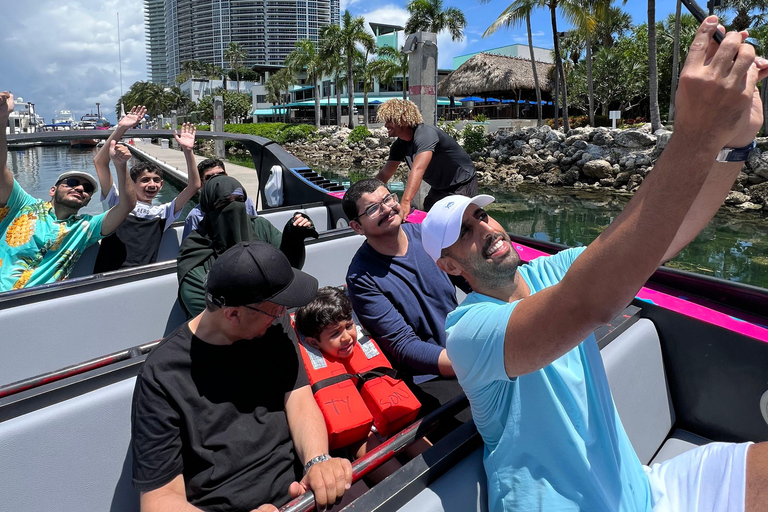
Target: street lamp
x,y
98,111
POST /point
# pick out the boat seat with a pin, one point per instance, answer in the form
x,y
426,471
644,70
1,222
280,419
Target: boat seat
x,y
635,370
318,214
72,455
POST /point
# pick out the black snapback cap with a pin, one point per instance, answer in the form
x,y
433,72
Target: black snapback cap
x,y
253,272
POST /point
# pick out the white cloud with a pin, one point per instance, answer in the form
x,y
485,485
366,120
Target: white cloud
x,y
65,55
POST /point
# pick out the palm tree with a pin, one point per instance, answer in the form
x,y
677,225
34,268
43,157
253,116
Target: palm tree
x,y
351,34
573,12
511,17
236,55
746,17
675,57
429,15
331,53
593,9
306,56
400,59
278,87
612,25
381,69
653,69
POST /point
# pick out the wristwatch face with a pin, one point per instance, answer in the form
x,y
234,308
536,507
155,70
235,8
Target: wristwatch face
x,y
735,154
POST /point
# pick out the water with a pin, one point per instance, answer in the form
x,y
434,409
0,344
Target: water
x,y
36,170
733,246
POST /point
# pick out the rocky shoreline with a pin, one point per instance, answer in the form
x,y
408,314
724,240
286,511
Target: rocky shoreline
x,y
599,158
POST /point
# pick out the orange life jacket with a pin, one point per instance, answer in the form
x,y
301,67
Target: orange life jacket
x,y
358,391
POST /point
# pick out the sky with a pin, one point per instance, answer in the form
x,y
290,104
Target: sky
x,y
63,54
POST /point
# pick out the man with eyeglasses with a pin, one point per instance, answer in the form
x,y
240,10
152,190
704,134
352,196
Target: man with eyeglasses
x,y
41,241
398,293
209,169
223,415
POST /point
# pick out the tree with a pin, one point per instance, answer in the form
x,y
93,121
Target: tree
x,y
400,59
237,105
307,57
331,52
653,70
512,17
149,94
573,13
236,55
351,34
675,62
749,13
430,16
612,25
278,88
175,99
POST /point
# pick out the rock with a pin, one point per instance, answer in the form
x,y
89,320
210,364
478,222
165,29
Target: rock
x,y
749,206
662,138
551,178
634,139
736,198
634,181
622,178
758,193
371,142
602,137
607,182
334,142
597,169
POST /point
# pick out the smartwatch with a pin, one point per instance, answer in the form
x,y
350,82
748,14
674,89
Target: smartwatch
x,y
320,458
735,154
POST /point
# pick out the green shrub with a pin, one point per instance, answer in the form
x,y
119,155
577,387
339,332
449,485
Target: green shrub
x,y
295,133
449,128
474,138
481,118
358,133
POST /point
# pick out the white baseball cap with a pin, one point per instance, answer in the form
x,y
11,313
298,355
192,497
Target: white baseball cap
x,y
442,225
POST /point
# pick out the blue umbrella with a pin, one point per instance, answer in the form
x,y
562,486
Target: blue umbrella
x,y
491,100
374,102
471,98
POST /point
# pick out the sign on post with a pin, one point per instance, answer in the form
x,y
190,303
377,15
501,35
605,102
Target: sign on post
x,y
614,115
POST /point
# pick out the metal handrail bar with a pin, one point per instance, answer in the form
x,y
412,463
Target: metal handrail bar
x,y
75,369
387,450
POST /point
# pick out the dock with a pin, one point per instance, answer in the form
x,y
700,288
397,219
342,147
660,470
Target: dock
x,y
173,163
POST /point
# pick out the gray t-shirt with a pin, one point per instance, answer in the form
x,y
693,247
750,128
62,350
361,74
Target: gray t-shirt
x,y
450,164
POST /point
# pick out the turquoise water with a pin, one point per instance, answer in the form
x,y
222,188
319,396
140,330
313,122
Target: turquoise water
x,y
733,246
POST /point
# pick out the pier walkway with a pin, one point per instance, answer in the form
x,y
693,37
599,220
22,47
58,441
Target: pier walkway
x,y
172,162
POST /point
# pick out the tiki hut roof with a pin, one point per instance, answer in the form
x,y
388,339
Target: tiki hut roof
x,y
489,73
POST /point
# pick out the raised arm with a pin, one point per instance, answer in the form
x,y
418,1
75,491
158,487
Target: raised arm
x,y
386,172
101,160
420,164
6,178
717,105
329,479
120,156
187,143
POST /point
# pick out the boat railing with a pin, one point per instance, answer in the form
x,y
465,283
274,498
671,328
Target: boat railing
x,y
76,369
387,450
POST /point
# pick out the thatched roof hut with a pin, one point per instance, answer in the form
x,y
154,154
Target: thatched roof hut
x,y
495,75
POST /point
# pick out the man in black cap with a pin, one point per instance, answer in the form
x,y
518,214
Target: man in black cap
x,y
223,416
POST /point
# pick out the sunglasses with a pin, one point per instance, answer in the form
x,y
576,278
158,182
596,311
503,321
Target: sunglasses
x,y
74,182
270,315
376,209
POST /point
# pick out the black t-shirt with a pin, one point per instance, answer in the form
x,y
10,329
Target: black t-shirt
x,y
216,414
450,164
136,241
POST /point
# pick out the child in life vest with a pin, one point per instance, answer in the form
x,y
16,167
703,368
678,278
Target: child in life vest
x,y
326,324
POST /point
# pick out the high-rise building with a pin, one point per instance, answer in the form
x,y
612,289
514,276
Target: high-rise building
x,y
183,30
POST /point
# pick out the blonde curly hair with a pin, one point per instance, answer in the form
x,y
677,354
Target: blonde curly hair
x,y
400,112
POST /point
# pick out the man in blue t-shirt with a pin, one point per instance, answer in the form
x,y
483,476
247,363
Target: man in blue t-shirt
x,y
521,343
398,293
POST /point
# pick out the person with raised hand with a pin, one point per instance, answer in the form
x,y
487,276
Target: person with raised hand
x,y
522,344
41,241
137,240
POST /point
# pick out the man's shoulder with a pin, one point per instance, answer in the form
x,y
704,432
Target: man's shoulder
x,y
173,348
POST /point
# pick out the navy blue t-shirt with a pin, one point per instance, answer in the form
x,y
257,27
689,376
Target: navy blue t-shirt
x,y
403,302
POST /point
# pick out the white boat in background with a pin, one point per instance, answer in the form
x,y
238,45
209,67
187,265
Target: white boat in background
x,y
89,121
63,117
23,118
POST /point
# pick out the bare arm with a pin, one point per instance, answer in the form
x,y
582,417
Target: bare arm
x,y
444,365
101,160
187,143
6,178
328,480
117,214
172,497
613,268
386,172
420,164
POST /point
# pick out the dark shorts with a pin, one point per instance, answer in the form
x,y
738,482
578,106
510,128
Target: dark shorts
x,y
437,392
468,188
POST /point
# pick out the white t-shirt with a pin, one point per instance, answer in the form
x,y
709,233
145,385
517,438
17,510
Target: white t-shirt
x,y
145,210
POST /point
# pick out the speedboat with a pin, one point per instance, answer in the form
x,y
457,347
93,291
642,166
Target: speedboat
x,y
687,362
89,122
